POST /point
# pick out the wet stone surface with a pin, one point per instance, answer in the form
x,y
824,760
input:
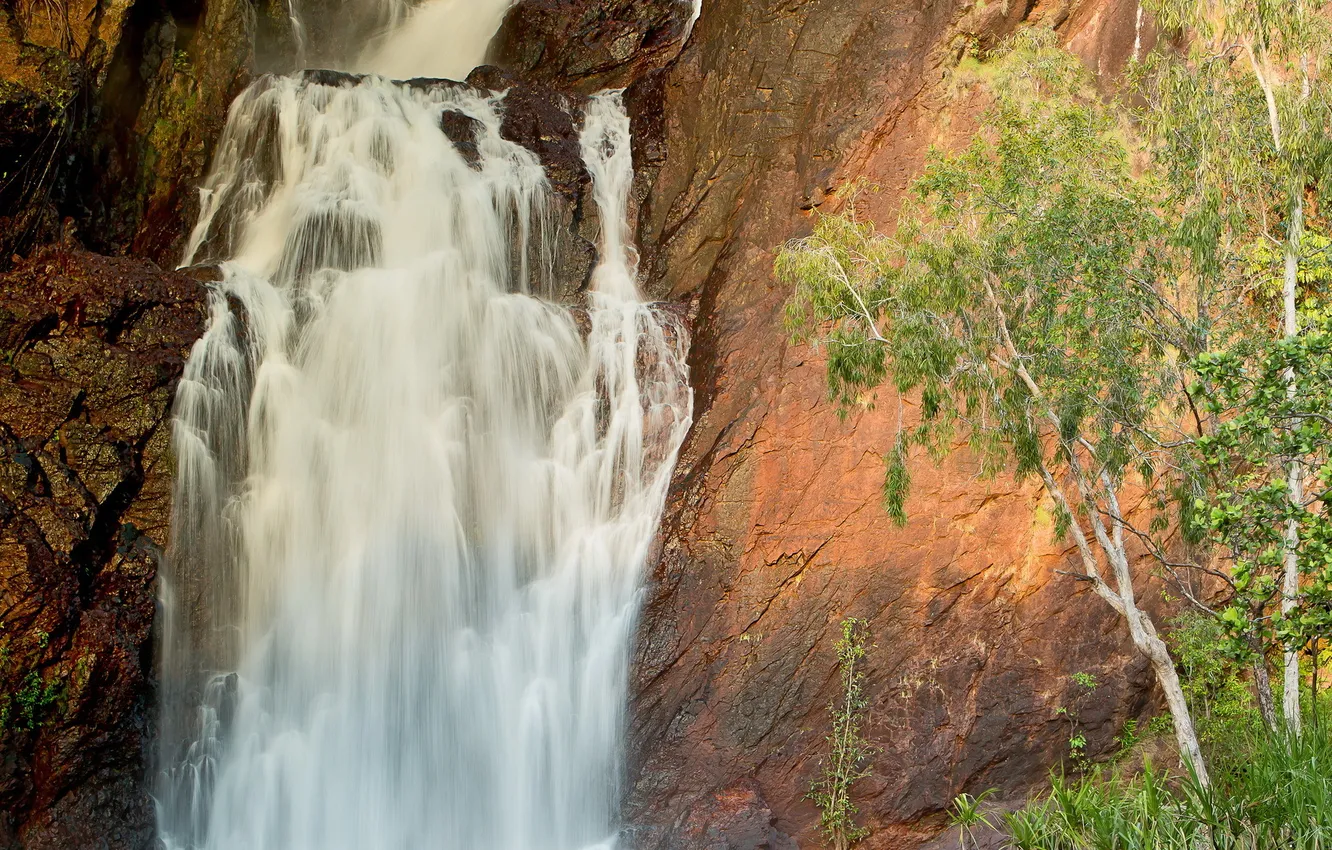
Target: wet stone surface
x,y
92,351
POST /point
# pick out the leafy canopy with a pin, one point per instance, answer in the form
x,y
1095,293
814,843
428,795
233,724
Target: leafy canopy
x,y
1029,291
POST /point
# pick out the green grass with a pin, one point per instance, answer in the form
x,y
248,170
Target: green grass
x,y
1278,797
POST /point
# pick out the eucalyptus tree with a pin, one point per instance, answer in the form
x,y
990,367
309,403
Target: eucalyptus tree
x,y
1243,120
1031,296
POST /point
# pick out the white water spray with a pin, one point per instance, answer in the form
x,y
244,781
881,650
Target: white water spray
x,y
414,500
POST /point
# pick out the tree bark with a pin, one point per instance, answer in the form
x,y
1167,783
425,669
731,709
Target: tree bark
x,y
1262,683
1185,735
1141,627
1290,581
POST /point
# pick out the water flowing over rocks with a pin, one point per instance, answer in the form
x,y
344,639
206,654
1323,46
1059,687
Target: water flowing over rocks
x,y
773,532
414,503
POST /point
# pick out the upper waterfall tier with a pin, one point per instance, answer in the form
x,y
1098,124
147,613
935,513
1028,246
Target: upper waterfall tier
x,y
261,162
439,38
400,39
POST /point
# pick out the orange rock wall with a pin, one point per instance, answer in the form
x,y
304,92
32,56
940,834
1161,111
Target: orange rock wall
x,y
775,532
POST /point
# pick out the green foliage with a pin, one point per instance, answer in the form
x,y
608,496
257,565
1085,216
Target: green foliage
x,y
1243,112
1083,686
847,761
1281,797
1128,737
896,483
1022,296
1270,397
1264,268
967,814
1221,700
1034,300
1160,725
1110,297
1240,120
25,710
1089,293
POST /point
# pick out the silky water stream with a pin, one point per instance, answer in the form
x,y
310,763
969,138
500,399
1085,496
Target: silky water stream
x,y
415,496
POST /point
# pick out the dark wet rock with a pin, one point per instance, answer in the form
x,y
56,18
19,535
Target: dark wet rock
x,y
42,93
588,45
158,117
544,121
127,98
548,123
93,348
462,130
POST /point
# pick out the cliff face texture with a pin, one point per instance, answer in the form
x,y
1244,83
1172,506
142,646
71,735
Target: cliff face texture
x,y
109,110
92,350
774,533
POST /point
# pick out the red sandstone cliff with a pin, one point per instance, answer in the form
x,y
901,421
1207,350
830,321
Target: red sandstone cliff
x,y
774,532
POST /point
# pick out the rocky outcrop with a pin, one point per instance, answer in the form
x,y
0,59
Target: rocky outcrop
x,y
589,45
545,121
774,531
93,348
157,119
40,89
550,55
113,107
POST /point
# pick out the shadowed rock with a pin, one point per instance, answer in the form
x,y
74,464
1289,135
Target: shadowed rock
x,y
93,348
587,45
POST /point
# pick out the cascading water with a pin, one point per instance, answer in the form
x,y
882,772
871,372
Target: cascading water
x,y
414,499
413,48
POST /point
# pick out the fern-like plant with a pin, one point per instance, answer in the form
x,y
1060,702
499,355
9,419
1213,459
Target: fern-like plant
x,y
848,759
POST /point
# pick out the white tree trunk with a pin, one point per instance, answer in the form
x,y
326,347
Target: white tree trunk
x,y
1290,584
1185,735
1149,643
1124,600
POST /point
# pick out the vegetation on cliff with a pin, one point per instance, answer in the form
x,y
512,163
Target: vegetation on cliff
x,y
848,751
1126,299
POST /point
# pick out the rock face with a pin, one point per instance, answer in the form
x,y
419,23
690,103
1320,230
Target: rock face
x,y
93,348
111,109
589,45
774,531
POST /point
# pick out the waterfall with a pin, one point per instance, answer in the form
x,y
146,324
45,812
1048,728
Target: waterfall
x,y
439,38
414,495
695,13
